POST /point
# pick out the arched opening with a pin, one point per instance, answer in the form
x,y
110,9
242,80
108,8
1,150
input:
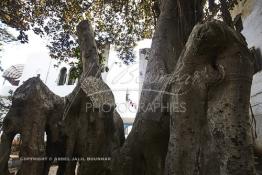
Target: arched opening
x,y
72,76
14,161
62,76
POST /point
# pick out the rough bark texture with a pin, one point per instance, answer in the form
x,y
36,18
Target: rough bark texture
x,y
213,79
92,126
32,111
92,131
145,149
208,104
5,150
88,48
82,125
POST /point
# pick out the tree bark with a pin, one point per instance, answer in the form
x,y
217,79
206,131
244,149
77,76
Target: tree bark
x,y
213,79
5,150
88,49
91,130
145,149
31,112
87,127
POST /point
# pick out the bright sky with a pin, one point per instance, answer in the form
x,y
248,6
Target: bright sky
x,y
16,53
120,76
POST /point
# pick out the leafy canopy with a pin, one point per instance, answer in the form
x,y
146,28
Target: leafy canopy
x,y
120,22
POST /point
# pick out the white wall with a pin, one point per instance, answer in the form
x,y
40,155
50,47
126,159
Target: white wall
x,y
143,59
119,78
48,73
45,67
253,32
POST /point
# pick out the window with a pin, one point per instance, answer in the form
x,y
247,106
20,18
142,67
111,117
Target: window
x,y
72,76
62,76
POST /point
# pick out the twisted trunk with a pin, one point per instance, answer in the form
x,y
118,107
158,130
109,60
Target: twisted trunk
x,y
91,130
145,149
213,80
34,108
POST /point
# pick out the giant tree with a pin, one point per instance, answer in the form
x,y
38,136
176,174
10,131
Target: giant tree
x,y
171,60
145,149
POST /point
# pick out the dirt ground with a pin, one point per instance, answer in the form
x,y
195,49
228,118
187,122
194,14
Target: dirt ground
x,y
53,170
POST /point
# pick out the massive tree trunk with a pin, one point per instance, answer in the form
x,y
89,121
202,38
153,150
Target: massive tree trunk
x,y
175,23
87,126
213,80
145,150
208,105
93,128
30,114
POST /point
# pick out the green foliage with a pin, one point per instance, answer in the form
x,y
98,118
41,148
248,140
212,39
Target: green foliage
x,y
120,23
220,9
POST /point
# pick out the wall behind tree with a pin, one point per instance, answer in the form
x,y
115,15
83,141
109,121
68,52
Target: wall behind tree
x,y
251,13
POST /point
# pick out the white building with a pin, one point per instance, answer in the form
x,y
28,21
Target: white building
x,y
119,78
57,78
251,14
143,59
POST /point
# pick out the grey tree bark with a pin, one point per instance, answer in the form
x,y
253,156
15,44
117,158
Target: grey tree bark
x,y
31,112
213,79
5,150
92,127
209,129
145,149
88,48
81,125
